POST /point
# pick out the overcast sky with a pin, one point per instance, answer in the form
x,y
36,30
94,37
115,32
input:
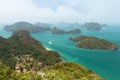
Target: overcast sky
x,y
102,11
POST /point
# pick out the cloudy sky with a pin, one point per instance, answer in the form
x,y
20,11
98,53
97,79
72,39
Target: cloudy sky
x,y
102,11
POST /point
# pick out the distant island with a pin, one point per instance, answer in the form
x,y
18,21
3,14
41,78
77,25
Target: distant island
x,y
93,26
90,42
23,57
65,25
57,31
43,27
46,25
60,31
39,27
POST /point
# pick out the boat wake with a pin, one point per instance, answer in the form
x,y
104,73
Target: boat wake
x,y
75,59
50,43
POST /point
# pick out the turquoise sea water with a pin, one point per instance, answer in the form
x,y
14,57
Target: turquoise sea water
x,y
105,63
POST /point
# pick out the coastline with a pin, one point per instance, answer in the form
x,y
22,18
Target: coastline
x,y
62,58
48,49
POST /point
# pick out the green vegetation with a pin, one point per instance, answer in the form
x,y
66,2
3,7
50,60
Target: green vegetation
x,y
60,31
75,31
90,42
59,71
8,74
69,71
21,43
57,31
24,58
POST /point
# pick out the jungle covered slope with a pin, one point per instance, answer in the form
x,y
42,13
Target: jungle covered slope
x,y
69,71
21,43
90,42
20,50
59,71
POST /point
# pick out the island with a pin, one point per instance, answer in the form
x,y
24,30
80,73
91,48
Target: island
x,y
74,31
57,31
24,58
60,31
92,26
90,42
39,27
46,25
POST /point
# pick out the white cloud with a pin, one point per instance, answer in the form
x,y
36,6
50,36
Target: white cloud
x,y
12,10
104,11
17,10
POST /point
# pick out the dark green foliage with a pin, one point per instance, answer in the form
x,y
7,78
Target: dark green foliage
x,y
64,71
69,71
21,43
90,42
60,31
80,38
47,58
57,31
59,71
7,74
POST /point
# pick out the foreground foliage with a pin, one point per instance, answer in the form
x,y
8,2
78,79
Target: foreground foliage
x,y
8,74
69,71
60,71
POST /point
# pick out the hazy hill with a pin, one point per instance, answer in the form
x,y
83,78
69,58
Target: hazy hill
x,y
60,31
26,26
92,26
